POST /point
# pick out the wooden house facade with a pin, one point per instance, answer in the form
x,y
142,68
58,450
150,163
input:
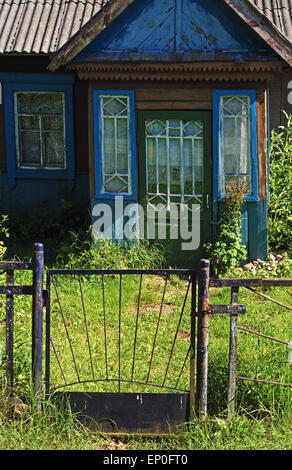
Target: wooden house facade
x,y
155,102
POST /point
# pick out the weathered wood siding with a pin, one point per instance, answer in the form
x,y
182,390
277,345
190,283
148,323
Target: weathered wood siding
x,y
278,97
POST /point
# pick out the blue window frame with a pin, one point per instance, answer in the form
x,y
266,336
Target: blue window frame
x,y
235,141
34,130
115,144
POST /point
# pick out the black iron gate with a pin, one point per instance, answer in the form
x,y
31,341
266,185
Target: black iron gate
x,y
126,348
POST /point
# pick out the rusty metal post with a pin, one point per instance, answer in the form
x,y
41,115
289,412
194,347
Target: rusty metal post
x,y
202,343
9,333
37,318
193,350
232,355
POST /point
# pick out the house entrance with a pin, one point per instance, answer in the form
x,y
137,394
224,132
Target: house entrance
x,y
175,181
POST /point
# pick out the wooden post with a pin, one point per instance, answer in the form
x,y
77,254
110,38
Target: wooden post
x,y
202,344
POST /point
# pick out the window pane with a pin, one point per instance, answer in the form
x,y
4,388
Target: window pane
x,y
122,145
28,123
188,166
30,148
115,106
151,165
116,184
109,145
54,149
52,123
199,149
236,106
162,165
40,103
175,166
236,150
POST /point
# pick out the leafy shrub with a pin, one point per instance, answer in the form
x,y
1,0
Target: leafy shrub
x,y
4,232
280,203
226,250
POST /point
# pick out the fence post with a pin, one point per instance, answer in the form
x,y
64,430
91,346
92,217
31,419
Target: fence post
x,y
202,343
232,355
9,333
193,349
37,317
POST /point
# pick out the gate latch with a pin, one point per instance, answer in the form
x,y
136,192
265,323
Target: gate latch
x,y
227,309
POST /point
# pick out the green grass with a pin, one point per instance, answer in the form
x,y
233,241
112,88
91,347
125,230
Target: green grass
x,y
263,413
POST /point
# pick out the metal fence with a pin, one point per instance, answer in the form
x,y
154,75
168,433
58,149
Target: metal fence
x,y
186,401
234,310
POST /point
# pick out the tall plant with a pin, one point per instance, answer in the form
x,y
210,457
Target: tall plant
x,y
280,202
226,250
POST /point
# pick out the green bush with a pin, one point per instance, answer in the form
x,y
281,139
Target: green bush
x,y
77,253
280,202
226,250
4,233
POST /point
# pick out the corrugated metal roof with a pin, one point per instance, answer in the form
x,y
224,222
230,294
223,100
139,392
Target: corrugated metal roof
x,y
279,12
44,26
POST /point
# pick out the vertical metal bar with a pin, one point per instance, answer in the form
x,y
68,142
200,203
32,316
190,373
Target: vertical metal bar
x,y
104,327
9,333
202,345
120,318
86,327
193,348
136,330
66,328
176,333
157,327
37,317
232,355
48,334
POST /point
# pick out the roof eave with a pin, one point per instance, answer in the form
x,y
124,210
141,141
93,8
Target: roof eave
x,y
263,27
92,29
244,8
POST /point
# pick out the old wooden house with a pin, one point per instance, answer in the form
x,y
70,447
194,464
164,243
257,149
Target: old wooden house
x,y
150,101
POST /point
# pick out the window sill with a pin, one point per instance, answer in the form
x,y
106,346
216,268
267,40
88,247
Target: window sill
x,y
41,174
127,197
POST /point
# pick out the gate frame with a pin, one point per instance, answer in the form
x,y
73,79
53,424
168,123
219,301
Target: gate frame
x,y
37,293
190,400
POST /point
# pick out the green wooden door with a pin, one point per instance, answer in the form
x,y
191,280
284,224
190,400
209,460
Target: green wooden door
x,y
175,169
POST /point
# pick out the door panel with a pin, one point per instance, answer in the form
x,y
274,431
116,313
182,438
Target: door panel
x,y
175,169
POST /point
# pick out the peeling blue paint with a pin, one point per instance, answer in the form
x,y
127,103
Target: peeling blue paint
x,y
174,27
